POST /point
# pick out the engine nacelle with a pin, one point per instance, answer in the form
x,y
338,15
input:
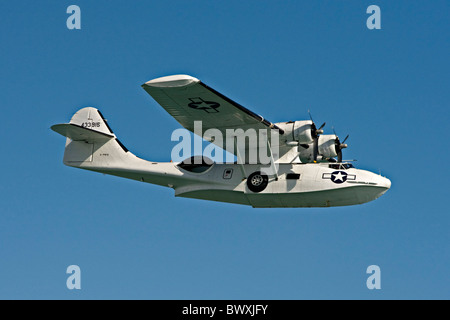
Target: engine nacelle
x,y
303,132
297,131
327,145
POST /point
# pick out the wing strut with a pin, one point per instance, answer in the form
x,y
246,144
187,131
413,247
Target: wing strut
x,y
240,160
273,169
273,165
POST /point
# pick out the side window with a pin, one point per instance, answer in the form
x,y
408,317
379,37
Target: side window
x,y
227,173
196,164
293,176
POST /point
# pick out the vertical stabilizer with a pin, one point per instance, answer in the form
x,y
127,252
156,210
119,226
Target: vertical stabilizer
x,y
90,141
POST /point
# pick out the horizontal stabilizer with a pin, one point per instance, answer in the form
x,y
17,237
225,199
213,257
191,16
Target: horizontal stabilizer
x,y
79,133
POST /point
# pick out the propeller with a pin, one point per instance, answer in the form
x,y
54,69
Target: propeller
x,y
315,135
340,145
316,132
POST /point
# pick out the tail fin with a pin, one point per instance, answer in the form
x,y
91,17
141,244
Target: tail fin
x,y
90,141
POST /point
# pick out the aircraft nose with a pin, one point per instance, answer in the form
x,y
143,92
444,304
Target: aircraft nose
x,y
385,182
383,185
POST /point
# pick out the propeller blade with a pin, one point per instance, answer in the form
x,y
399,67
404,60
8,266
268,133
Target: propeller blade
x,y
315,148
345,139
310,116
315,133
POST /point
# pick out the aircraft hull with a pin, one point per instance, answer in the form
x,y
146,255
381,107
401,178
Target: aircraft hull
x,y
313,188
325,198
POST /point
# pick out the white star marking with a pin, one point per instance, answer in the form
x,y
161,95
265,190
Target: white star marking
x,y
338,176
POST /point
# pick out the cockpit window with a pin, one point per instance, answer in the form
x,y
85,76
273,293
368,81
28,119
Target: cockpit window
x,y
340,166
196,164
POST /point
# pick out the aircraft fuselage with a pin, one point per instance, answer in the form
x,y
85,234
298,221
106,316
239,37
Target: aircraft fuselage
x,y
297,184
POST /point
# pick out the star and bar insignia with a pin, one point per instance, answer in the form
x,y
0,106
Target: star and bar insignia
x,y
339,176
200,104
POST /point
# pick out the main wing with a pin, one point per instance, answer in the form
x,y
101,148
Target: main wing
x,y
187,99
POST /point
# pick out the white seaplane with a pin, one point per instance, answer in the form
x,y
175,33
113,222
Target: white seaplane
x,y
303,169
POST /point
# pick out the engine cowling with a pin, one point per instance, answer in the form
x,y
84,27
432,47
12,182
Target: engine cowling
x,y
327,145
326,149
301,132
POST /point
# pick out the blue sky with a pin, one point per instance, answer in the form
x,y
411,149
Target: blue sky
x,y
388,89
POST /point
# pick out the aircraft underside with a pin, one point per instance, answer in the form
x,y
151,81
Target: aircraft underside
x,y
297,185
